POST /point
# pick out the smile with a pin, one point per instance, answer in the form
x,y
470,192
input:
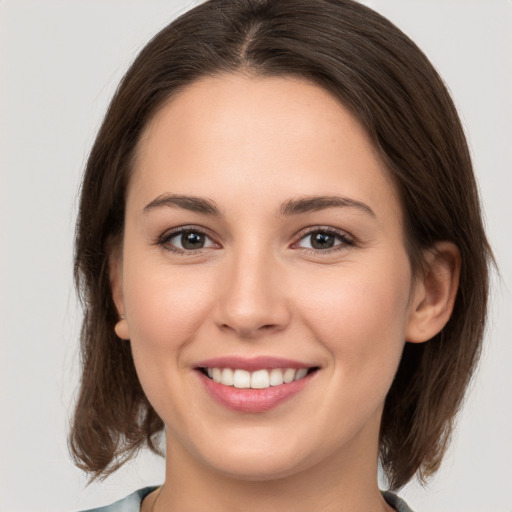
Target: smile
x,y
259,379
254,385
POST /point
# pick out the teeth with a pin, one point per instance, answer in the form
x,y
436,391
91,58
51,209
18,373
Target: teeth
x,y
276,377
288,375
241,379
259,379
227,377
301,373
217,373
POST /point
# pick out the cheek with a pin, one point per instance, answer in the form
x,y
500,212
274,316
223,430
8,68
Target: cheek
x,y
165,306
360,315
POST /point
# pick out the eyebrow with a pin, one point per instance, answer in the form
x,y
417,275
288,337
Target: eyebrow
x,y
317,203
288,208
192,203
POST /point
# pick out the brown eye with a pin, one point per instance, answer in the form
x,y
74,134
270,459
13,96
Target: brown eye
x,y
185,240
322,239
192,240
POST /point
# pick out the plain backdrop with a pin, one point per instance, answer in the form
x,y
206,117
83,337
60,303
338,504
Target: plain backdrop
x,y
60,62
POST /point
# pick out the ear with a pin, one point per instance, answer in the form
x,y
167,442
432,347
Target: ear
x,y
434,293
116,286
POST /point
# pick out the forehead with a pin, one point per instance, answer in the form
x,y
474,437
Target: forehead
x,y
259,138
252,111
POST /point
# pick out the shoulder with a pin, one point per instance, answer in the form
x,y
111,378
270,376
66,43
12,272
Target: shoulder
x,y
129,504
396,502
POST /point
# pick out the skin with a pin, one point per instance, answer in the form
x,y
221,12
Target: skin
x,y
258,288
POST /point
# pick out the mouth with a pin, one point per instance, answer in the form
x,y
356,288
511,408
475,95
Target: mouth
x,y
258,379
254,385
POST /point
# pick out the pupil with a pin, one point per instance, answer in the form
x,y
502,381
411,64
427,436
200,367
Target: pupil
x,y
322,241
192,240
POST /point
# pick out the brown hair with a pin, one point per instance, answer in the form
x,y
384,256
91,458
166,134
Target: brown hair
x,y
391,87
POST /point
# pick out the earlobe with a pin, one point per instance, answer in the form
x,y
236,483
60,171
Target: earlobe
x,y
434,293
116,285
121,329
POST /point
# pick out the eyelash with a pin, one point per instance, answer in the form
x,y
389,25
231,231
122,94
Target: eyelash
x,y
163,241
346,240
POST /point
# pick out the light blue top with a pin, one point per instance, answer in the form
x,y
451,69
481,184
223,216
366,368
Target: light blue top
x,y
132,502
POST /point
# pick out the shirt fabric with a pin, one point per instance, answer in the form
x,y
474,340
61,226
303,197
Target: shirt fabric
x,y
132,502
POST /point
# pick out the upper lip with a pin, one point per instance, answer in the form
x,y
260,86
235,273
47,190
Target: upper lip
x,y
253,363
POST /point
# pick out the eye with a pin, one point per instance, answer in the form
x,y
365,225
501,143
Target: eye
x,y
324,239
186,240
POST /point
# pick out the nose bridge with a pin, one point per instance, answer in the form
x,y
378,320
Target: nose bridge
x,y
253,300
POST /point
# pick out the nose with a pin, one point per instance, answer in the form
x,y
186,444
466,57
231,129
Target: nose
x,y
253,301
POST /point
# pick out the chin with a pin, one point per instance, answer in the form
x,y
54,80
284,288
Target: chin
x,y
258,469
258,461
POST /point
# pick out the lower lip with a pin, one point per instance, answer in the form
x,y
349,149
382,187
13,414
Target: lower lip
x,y
253,400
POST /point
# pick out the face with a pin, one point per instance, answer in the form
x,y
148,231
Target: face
x,y
263,247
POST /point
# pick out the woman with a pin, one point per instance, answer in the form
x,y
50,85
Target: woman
x,y
282,261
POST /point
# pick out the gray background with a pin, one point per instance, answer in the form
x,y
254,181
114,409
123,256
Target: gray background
x,y
59,64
